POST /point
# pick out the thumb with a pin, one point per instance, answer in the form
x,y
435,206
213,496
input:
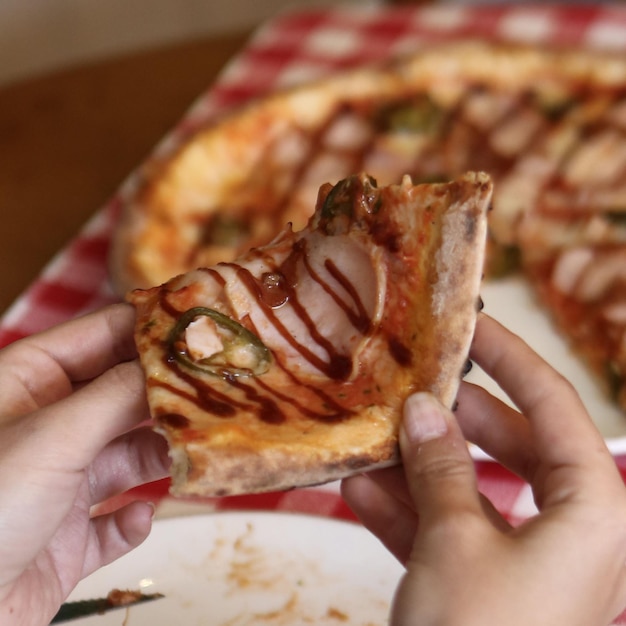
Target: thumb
x,y
438,467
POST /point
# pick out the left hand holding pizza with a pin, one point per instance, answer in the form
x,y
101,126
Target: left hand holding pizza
x,y
465,564
72,400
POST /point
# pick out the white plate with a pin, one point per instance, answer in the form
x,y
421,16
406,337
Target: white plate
x,y
511,302
240,568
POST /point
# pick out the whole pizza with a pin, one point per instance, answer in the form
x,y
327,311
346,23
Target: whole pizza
x,y
548,126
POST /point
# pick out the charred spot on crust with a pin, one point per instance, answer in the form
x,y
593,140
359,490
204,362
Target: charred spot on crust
x,y
470,228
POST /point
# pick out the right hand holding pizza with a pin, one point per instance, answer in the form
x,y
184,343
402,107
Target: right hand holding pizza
x,y
465,564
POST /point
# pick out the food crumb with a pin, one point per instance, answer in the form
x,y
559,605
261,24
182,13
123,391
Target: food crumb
x,y
334,613
122,597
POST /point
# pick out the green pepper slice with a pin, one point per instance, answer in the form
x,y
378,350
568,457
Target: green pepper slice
x,y
419,116
225,230
238,343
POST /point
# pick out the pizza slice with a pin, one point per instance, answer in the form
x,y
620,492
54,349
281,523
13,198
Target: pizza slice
x,y
584,289
289,366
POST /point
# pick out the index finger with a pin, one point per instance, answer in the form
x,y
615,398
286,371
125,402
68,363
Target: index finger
x,y
563,431
41,369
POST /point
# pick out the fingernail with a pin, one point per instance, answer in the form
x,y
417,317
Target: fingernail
x,y
424,418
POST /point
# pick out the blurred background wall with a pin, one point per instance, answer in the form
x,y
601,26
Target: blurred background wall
x,y
37,36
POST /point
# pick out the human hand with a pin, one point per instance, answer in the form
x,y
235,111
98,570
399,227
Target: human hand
x,y
70,438
464,563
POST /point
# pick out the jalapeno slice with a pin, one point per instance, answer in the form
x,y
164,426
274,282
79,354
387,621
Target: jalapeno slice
x,y
342,198
243,354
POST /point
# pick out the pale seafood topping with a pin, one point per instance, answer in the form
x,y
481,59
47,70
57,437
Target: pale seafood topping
x,y
329,304
588,276
290,148
393,153
348,132
517,193
513,135
615,313
569,268
617,115
600,276
202,339
326,166
607,148
484,109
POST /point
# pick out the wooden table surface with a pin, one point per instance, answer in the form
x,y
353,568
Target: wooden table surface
x,y
68,139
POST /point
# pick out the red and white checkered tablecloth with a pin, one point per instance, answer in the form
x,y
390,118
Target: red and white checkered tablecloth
x,y
296,47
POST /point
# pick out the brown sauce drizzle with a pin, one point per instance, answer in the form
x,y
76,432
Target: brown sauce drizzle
x,y
208,399
216,276
401,354
267,409
338,367
337,413
174,420
359,318
167,306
